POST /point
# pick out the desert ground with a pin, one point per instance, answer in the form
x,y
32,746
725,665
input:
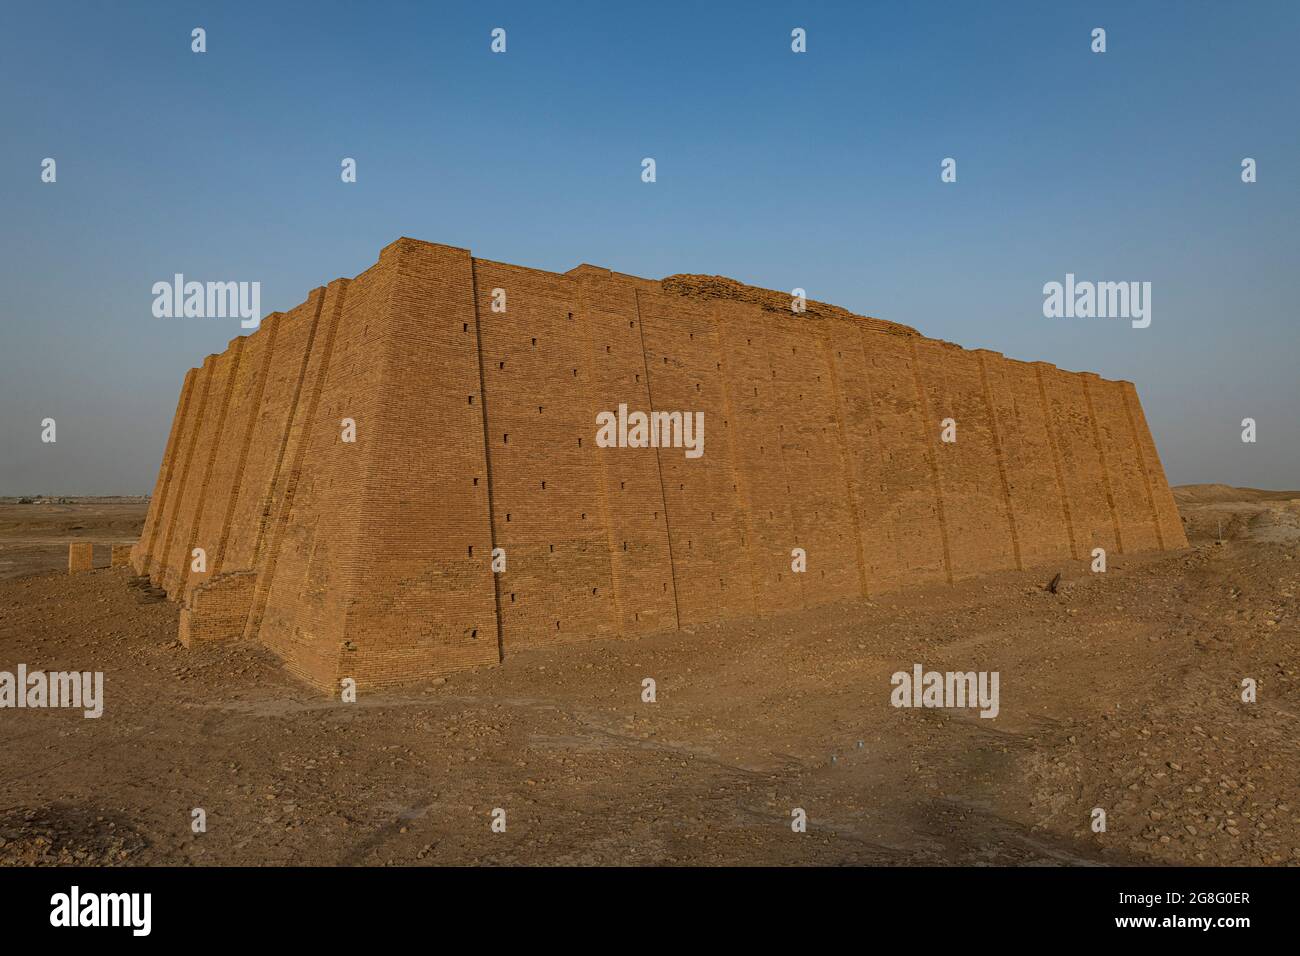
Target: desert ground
x,y
1119,691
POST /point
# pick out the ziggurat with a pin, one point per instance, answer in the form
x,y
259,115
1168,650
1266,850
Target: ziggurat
x,y
474,431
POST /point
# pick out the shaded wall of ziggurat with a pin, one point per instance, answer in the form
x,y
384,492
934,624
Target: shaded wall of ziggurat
x,y
475,430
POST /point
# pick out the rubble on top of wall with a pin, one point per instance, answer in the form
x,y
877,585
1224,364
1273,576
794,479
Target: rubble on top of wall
x,y
721,287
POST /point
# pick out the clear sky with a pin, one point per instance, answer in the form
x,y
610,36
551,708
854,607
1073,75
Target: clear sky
x,y
817,170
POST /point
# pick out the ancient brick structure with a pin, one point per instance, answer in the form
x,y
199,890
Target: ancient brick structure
x,y
119,555
476,430
81,556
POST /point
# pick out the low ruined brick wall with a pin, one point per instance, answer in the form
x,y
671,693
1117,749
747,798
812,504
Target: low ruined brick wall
x,y
81,556
217,609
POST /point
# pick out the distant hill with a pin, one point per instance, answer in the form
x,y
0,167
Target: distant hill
x,y
1206,494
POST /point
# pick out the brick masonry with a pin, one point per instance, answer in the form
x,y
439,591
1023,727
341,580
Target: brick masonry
x,y
475,430
81,556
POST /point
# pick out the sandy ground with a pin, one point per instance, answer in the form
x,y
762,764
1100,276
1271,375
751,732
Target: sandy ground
x,y
1121,691
34,537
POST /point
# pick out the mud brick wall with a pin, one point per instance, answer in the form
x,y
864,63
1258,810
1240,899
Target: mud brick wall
x,y
202,494
762,480
1169,527
907,499
1039,509
636,521
976,512
141,551
548,494
228,456
297,365
166,505
120,555
1084,478
421,588
811,453
476,430
283,547
711,566
216,608
81,556
283,340
1126,481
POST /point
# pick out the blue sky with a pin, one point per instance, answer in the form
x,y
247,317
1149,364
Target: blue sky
x,y
818,170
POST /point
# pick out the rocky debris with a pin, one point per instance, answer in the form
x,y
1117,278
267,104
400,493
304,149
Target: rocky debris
x,y
55,835
720,287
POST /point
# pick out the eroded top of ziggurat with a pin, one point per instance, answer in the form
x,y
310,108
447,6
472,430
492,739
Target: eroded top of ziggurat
x,y
720,287
351,468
